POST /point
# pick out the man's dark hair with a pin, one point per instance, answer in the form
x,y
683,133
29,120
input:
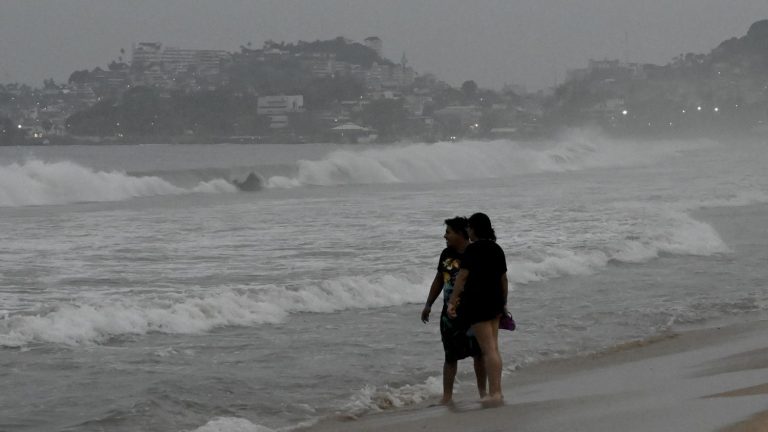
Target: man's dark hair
x,y
481,225
459,225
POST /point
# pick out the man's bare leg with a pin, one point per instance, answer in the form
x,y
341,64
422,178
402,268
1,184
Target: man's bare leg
x,y
449,376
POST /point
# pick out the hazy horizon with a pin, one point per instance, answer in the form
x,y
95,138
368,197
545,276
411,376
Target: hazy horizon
x,y
490,41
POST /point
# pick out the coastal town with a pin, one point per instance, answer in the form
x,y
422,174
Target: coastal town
x,y
346,91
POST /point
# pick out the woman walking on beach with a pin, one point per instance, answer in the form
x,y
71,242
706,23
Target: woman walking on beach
x,y
453,332
480,297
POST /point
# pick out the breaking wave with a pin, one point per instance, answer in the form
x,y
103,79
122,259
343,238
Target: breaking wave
x,y
468,160
98,321
48,183
37,182
680,234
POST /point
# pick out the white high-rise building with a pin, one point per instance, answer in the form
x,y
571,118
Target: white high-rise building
x,y
148,54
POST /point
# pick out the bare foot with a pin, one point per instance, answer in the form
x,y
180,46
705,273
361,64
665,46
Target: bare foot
x,y
446,400
492,401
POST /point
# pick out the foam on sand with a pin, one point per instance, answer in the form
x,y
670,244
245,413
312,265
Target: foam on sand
x,y
376,399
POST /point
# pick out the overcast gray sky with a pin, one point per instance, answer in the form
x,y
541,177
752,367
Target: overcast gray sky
x,y
527,42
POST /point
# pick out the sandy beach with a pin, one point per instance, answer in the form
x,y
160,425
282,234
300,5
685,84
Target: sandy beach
x,y
713,379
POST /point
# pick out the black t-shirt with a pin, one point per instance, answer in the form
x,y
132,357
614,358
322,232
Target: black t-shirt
x,y
485,261
449,266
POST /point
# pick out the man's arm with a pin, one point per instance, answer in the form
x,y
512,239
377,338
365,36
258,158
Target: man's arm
x,y
434,291
458,288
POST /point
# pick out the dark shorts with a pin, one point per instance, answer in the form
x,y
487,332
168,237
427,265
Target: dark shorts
x,y
456,343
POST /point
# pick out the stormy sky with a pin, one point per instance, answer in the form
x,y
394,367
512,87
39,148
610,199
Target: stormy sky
x,y
526,42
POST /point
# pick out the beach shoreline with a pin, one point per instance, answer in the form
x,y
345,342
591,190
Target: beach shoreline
x,y
707,379
706,376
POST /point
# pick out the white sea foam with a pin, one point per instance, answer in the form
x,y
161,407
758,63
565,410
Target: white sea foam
x,y
97,321
45,183
74,324
558,263
752,195
475,160
687,236
232,424
673,232
374,399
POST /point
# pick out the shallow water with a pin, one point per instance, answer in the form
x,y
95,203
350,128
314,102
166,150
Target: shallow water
x,y
139,290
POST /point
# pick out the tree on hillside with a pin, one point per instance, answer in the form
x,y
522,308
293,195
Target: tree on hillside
x,y
80,77
385,115
324,91
447,96
144,112
102,119
469,89
212,112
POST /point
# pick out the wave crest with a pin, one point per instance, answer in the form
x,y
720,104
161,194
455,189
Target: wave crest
x,y
101,320
468,160
678,234
49,183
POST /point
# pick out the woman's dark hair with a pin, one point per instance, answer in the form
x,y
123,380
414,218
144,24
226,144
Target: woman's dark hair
x,y
481,225
458,225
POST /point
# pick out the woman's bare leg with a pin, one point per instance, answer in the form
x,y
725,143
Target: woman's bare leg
x,y
481,376
486,333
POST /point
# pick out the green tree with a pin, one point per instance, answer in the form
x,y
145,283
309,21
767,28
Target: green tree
x,y
322,92
447,96
385,115
144,112
102,119
80,77
469,90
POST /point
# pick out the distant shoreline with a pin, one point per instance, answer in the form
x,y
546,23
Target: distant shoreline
x,y
68,140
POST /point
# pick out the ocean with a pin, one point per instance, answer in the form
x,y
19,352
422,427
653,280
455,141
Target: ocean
x,y
141,290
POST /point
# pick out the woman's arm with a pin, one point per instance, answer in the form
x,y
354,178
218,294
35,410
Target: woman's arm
x,y
504,288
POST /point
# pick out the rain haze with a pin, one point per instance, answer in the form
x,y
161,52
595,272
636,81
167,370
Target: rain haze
x,y
526,42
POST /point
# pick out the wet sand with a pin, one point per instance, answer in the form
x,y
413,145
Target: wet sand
x,y
713,379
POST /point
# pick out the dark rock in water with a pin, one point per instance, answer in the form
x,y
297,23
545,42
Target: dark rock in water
x,y
251,183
